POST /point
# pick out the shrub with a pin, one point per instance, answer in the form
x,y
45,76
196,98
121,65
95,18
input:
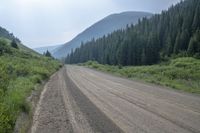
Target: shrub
x,y
4,48
119,66
6,120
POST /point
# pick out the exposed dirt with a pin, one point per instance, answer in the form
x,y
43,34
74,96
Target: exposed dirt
x,y
63,108
51,115
81,100
24,120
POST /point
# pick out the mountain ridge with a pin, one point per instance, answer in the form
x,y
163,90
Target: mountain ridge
x,y
51,49
172,33
5,34
101,28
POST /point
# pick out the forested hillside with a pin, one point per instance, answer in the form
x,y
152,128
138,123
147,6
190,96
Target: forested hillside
x,y
173,32
99,29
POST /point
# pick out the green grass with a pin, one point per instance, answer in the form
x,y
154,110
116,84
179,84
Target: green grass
x,y
20,72
181,73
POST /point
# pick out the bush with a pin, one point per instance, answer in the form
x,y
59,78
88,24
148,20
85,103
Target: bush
x,y
6,121
95,66
119,66
4,48
4,79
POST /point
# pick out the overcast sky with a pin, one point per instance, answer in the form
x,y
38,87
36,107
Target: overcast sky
x,y
40,23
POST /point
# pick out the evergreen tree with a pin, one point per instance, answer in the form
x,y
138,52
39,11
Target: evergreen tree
x,y
48,54
194,45
184,40
168,48
143,58
14,44
196,21
177,45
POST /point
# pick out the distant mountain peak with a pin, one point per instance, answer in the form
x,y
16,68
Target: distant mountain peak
x,y
103,27
51,49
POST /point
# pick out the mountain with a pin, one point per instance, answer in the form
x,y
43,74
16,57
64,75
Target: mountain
x,y
4,34
51,49
175,32
103,27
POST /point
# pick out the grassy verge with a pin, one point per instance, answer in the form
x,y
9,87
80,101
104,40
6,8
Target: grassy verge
x,y
20,71
181,73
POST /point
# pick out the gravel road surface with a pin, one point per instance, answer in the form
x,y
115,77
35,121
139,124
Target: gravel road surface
x,y
82,100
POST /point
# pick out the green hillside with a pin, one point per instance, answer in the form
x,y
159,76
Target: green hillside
x,y
20,70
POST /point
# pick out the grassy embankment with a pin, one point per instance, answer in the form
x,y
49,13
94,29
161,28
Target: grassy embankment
x,y
20,72
181,73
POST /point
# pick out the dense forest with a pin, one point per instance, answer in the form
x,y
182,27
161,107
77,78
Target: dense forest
x,y
173,32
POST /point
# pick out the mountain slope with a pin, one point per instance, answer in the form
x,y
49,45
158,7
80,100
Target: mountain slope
x,y
101,28
175,32
9,37
5,34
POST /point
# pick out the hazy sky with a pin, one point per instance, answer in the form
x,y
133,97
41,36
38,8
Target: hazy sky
x,y
48,22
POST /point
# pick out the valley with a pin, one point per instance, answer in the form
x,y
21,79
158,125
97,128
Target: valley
x,y
118,67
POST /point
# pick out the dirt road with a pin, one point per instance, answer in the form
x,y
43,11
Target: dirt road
x,y
81,100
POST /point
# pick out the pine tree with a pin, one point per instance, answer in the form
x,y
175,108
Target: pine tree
x,y
168,46
48,54
196,20
184,40
14,44
177,44
143,57
194,45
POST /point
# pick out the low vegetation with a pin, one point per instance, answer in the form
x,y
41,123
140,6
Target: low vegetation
x,y
180,73
20,71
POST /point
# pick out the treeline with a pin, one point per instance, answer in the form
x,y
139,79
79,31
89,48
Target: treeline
x,y
176,31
